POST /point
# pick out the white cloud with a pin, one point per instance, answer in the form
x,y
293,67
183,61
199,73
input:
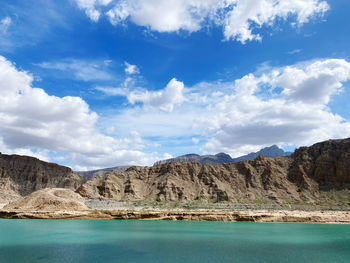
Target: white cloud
x,y
160,124
294,51
313,83
164,16
32,119
128,84
286,105
298,114
91,7
195,140
81,69
249,14
111,91
131,69
164,99
39,153
5,23
121,157
239,18
167,156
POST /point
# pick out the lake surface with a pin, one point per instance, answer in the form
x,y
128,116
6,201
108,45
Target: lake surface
x,y
171,241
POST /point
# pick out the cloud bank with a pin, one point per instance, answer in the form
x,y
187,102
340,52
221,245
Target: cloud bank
x,y
238,18
287,106
30,119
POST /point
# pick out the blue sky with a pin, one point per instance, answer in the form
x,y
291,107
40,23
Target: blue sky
x,y
98,83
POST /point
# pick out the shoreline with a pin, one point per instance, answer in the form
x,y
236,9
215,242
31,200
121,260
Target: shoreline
x,y
327,217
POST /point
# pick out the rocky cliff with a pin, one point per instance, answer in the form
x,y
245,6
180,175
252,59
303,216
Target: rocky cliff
x,y
251,180
325,165
319,174
22,175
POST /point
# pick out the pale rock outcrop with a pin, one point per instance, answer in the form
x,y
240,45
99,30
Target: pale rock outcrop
x,y
49,199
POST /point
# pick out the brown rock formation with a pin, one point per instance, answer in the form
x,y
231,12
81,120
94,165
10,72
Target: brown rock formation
x,y
261,179
22,175
317,174
326,163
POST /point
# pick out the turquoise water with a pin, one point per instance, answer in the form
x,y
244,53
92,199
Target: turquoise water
x,y
168,241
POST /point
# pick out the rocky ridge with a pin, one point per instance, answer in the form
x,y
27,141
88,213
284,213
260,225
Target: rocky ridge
x,y
318,174
251,180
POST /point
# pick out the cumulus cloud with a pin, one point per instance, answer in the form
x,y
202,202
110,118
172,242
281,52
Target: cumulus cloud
x,y
164,99
32,119
163,16
239,18
249,14
313,83
5,23
284,106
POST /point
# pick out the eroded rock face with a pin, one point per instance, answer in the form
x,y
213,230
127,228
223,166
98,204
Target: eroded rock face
x,y
325,164
262,178
316,174
22,175
319,174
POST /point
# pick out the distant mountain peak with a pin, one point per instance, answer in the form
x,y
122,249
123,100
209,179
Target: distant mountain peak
x,y
271,151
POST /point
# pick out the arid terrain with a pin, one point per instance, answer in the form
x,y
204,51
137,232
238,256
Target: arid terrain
x,y
311,185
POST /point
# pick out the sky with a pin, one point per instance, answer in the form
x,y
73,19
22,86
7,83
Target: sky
x,y
101,83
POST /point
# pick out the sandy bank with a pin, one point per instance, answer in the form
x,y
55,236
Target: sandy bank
x,y
339,217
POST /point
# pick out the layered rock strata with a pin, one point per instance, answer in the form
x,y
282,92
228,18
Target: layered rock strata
x,y
22,175
319,174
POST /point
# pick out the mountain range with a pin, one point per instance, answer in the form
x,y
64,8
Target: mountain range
x,y
271,151
319,174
